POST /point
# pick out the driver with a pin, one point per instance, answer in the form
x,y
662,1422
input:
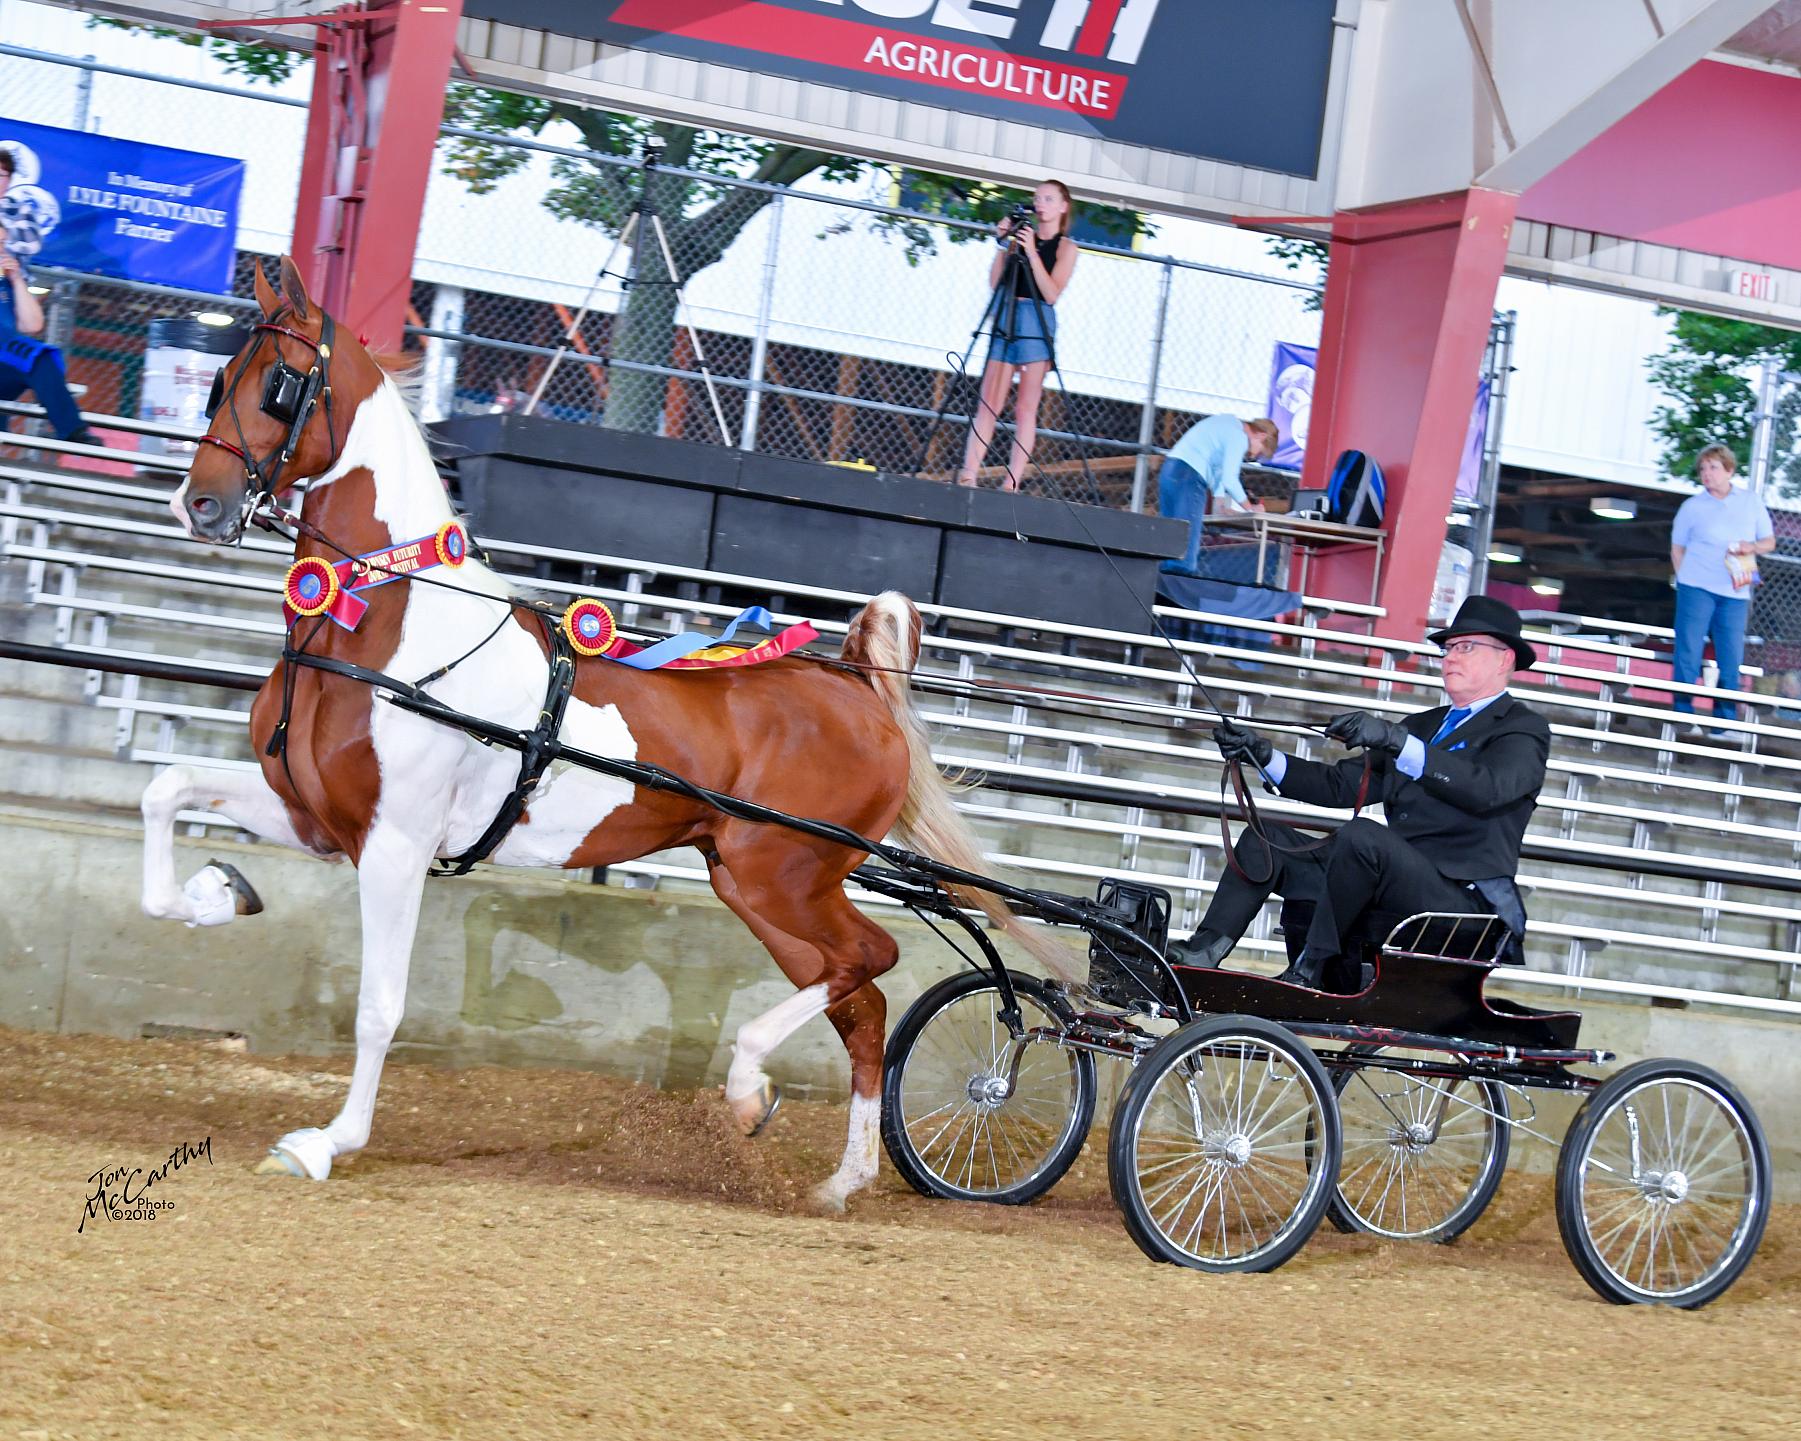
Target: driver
x,y
1458,784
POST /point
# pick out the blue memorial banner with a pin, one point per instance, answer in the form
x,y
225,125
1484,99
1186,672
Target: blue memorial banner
x,y
1291,401
1291,372
121,208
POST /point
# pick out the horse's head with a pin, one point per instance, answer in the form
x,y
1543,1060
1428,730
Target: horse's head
x,y
277,415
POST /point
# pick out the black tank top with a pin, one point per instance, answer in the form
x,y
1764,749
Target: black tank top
x,y
1025,284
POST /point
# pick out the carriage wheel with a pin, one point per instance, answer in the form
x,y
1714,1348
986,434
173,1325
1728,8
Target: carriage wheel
x,y
1423,1156
1663,1185
971,1114
1224,1146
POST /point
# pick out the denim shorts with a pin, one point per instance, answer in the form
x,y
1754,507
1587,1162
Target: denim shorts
x,y
1034,328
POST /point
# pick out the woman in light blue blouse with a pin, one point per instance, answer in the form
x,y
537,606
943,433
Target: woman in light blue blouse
x,y
1712,543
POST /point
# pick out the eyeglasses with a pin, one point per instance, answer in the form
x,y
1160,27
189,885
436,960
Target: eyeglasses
x,y
1470,647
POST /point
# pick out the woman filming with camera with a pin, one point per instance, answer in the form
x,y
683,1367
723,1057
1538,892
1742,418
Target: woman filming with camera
x,y
1038,257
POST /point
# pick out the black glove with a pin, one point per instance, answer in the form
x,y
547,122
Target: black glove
x,y
1239,743
1359,730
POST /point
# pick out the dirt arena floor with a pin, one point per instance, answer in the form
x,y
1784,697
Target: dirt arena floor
x,y
531,1253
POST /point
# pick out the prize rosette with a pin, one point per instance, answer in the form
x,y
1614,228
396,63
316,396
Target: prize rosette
x,y
452,543
311,586
589,626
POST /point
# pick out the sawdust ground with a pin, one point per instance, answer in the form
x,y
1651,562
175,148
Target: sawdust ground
x,y
519,1250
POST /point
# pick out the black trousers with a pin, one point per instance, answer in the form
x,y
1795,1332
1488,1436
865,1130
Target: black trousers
x,y
1364,869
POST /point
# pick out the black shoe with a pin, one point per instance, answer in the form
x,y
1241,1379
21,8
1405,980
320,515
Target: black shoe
x,y
84,436
1308,969
1203,950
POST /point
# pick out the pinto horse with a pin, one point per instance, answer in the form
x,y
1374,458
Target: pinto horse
x,y
352,776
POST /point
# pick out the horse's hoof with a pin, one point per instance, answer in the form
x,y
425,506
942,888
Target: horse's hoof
x,y
306,1154
827,1199
244,898
756,1110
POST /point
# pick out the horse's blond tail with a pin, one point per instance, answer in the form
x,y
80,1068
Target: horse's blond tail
x,y
884,635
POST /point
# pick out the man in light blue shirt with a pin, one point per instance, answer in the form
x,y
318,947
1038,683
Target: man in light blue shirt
x,y
1205,463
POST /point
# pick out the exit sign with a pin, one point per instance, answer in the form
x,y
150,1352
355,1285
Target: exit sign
x,y
1751,284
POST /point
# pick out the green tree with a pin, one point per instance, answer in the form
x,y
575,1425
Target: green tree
x,y
1710,375
1308,258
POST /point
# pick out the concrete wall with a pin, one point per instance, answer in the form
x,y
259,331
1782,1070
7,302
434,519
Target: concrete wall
x,y
533,968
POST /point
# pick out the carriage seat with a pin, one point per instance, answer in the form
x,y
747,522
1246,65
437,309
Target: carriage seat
x,y
1477,938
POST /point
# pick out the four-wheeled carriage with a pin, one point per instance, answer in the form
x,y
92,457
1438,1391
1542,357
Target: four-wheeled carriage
x,y
1268,1106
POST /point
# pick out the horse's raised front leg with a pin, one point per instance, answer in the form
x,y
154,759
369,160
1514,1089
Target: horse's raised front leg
x,y
216,893
390,882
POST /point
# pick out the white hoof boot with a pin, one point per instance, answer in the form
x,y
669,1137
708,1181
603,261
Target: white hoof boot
x,y
306,1154
211,898
755,1111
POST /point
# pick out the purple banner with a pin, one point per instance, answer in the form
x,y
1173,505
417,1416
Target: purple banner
x,y
1291,375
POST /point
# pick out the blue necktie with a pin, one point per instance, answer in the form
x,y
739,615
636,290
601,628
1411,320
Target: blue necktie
x,y
1458,715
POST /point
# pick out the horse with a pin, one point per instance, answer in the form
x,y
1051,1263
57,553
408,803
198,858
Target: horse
x,y
345,775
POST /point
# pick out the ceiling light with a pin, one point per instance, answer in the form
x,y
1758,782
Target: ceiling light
x,y
1613,507
1547,585
1506,554
213,317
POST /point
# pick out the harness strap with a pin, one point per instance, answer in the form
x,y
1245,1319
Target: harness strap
x,y
537,747
534,757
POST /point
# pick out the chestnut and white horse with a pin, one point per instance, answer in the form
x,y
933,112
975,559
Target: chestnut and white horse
x,y
392,791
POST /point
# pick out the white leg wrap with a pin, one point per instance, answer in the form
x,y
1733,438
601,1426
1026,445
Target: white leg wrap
x,y
757,1038
858,1167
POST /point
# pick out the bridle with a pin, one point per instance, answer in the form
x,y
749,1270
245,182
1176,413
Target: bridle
x,y
289,398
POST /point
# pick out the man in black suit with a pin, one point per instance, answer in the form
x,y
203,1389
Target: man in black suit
x,y
1458,784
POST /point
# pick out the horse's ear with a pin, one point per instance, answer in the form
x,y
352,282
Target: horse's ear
x,y
292,289
265,292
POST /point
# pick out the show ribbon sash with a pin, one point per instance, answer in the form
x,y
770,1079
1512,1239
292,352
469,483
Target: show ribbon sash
x,y
316,586
590,628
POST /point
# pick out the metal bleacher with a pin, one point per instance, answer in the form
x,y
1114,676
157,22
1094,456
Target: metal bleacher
x,y
1656,867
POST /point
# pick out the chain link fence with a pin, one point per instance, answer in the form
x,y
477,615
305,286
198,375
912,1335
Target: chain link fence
x,y
821,323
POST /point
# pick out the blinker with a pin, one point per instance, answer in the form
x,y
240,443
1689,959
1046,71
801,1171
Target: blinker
x,y
284,392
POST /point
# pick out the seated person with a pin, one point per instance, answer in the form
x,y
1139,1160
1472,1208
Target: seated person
x,y
1205,463
1458,784
26,364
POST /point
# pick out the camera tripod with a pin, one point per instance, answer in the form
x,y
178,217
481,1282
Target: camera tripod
x,y
643,210
1000,319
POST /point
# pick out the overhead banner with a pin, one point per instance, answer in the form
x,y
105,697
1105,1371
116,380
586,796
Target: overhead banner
x,y
1242,81
121,208
1291,374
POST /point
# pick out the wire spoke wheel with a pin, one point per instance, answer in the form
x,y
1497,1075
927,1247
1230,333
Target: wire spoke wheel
x,y
971,1113
1663,1185
1423,1154
1224,1146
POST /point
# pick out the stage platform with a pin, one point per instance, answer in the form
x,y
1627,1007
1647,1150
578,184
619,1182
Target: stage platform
x,y
577,487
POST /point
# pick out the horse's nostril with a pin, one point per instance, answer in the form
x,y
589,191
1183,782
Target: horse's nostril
x,y
204,508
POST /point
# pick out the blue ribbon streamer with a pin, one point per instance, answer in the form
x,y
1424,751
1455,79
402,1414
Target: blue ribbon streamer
x,y
689,641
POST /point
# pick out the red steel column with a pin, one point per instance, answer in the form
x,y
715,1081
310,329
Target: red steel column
x,y
1410,292
378,98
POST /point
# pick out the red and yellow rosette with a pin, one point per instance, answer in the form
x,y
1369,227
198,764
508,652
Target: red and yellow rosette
x,y
452,543
589,626
311,586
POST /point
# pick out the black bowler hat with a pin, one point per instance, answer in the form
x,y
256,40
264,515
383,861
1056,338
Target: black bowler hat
x,y
1484,615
